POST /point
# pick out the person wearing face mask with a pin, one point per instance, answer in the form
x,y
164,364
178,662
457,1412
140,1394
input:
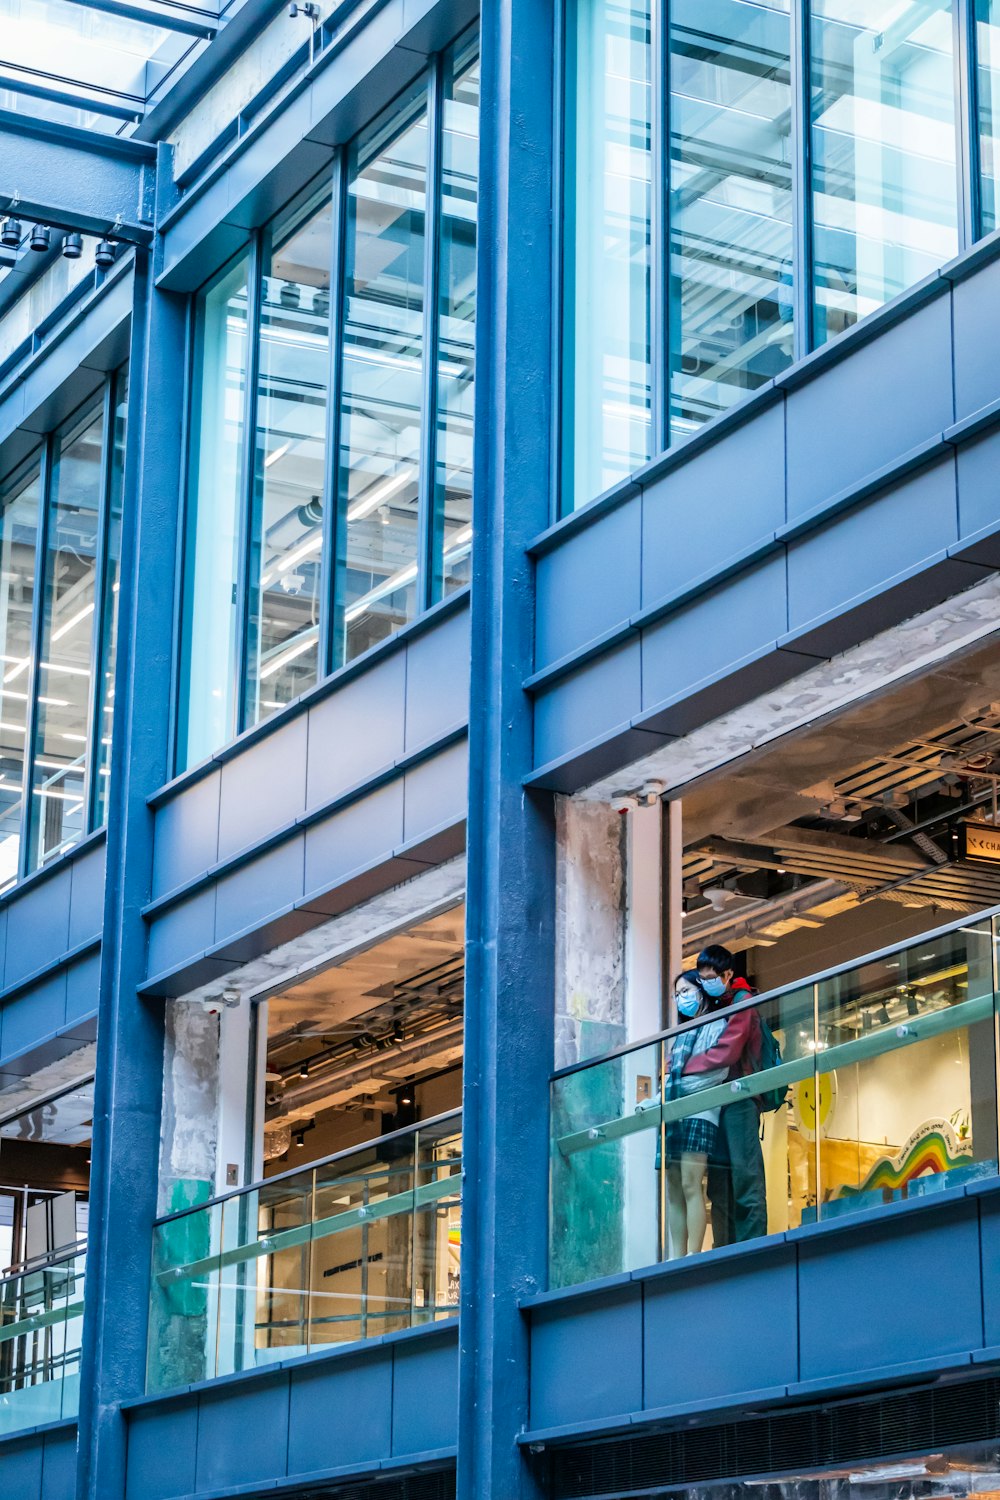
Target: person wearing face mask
x,y
736,1171
688,1142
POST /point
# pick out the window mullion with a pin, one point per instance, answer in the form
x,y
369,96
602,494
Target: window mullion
x,y
659,246
967,116
801,163
94,715
331,477
37,618
248,485
427,497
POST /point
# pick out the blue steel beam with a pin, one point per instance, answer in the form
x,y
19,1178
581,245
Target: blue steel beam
x,y
189,20
511,879
129,1074
76,179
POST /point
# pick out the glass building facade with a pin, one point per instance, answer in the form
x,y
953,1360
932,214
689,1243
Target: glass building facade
x,y
329,492
741,184
60,538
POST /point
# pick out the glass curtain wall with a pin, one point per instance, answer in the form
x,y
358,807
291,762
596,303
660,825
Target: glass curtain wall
x,y
731,317
988,81
20,509
329,497
286,541
207,716
607,334
698,258
452,541
884,189
60,538
381,416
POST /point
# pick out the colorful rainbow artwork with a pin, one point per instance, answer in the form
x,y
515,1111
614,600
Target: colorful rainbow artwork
x,y
934,1148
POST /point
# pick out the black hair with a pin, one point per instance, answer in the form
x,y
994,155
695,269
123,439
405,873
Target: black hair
x,y
716,957
692,977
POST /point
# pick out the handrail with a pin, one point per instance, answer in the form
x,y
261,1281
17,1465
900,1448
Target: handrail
x,y
318,1229
41,1264
312,1166
875,1043
889,951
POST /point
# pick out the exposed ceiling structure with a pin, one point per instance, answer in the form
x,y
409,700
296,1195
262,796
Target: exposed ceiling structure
x,y
866,807
350,1036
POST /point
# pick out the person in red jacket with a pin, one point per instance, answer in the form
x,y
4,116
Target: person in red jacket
x,y
736,1172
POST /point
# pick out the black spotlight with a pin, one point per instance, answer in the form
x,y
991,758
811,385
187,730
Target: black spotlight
x,y
321,302
290,294
104,255
40,237
73,246
10,234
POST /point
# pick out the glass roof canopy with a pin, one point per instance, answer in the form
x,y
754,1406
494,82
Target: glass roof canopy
x,y
99,64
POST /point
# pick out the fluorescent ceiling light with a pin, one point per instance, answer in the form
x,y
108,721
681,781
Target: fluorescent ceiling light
x,y
73,621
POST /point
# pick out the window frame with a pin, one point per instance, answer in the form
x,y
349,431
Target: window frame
x,y
968,200
336,176
103,404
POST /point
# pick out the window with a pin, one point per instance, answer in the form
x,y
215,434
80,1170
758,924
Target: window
x,y
60,536
330,485
988,46
740,184
885,202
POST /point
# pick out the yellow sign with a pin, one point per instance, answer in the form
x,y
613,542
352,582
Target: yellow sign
x,y
981,841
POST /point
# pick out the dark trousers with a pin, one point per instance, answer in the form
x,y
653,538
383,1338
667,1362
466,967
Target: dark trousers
x,y
736,1176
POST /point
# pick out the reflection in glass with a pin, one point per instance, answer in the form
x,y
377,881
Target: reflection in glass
x,y
606,274
457,324
883,142
382,373
207,699
57,814
988,57
287,520
19,511
109,621
730,204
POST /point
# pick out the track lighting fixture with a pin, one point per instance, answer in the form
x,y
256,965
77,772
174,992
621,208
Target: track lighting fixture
x,y
104,255
321,302
10,234
304,1070
72,246
40,237
290,294
300,1138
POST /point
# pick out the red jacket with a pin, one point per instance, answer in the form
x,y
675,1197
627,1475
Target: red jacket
x,y
738,1048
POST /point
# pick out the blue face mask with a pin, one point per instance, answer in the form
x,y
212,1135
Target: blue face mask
x,y
714,987
688,1002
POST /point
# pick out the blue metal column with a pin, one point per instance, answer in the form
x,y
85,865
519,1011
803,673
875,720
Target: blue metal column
x,y
511,881
130,1031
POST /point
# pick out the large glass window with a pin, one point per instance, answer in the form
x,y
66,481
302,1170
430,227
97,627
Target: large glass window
x,y
287,517
607,369
885,203
60,544
330,491
740,183
383,369
20,504
730,204
57,813
988,50
207,700
452,547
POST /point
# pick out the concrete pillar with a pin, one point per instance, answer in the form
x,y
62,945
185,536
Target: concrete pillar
x,y
645,1012
591,948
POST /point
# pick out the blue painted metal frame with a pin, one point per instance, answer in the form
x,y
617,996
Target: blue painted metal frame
x,y
77,179
125,1147
511,875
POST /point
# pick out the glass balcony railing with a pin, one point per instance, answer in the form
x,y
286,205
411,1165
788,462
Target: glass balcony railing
x,y
885,1089
364,1243
41,1326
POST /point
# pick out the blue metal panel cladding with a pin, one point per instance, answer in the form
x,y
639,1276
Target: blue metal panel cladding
x,y
130,1047
607,1366
820,1309
353,1411
510,943
41,1466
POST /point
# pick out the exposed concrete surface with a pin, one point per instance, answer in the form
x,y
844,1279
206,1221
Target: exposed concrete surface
x,y
590,929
